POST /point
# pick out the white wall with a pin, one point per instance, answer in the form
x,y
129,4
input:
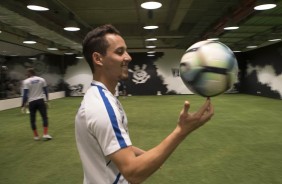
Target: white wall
x,y
79,74
17,102
171,59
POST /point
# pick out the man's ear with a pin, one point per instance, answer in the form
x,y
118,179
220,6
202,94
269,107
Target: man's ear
x,y
96,58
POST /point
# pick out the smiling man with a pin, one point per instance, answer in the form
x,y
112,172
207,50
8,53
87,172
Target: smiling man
x,y
103,142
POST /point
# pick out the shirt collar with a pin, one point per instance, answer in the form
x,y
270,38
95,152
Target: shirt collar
x,y
99,84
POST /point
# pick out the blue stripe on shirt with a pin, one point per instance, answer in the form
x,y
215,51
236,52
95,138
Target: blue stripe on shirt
x,y
117,178
113,118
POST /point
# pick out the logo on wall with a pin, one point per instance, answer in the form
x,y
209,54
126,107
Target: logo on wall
x,y
140,76
175,72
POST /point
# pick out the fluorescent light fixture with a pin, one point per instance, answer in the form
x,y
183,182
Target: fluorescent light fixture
x,y
151,52
79,57
237,51
71,26
251,47
33,58
151,46
52,47
231,28
69,53
151,55
230,25
38,5
151,5
29,42
151,27
264,5
275,40
37,8
213,39
151,39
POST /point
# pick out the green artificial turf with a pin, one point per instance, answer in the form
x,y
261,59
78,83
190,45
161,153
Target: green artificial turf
x,y
242,144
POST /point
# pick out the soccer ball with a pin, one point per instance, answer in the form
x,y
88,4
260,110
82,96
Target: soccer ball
x,y
208,68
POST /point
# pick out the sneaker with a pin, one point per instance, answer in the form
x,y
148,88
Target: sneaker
x,y
36,138
46,137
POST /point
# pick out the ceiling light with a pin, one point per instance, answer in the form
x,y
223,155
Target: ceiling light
x,y
213,39
151,27
251,47
151,46
151,5
38,5
231,28
79,56
151,39
33,58
150,24
264,5
151,52
275,40
71,26
29,40
52,47
151,55
69,52
230,25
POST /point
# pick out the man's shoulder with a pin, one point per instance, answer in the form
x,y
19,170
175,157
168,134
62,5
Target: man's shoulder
x,y
39,78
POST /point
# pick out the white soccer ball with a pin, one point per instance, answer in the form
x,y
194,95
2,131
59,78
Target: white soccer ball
x,y
208,68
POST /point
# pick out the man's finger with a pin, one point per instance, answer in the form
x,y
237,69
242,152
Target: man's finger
x,y
186,106
204,108
208,114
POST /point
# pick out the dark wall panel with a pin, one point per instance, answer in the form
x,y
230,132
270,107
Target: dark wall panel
x,y
261,71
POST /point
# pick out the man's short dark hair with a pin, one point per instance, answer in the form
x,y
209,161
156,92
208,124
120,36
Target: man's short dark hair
x,y
95,41
31,71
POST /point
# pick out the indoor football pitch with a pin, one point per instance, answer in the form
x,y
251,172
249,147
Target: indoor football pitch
x,y
242,144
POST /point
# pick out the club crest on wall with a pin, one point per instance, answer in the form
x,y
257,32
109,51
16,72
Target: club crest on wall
x,y
140,75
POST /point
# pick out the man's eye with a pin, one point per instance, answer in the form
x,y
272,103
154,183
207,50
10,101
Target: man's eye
x,y
120,52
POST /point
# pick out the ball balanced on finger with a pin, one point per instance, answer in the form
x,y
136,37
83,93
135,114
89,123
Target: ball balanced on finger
x,y
208,68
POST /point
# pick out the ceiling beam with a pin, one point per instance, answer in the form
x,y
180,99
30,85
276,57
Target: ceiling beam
x,y
237,16
178,12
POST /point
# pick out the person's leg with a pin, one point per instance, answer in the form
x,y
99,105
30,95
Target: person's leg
x,y
32,115
43,112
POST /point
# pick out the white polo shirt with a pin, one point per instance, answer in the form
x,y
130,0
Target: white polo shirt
x,y
35,86
100,129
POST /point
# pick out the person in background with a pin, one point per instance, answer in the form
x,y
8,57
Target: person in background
x,y
36,94
123,89
101,130
117,90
